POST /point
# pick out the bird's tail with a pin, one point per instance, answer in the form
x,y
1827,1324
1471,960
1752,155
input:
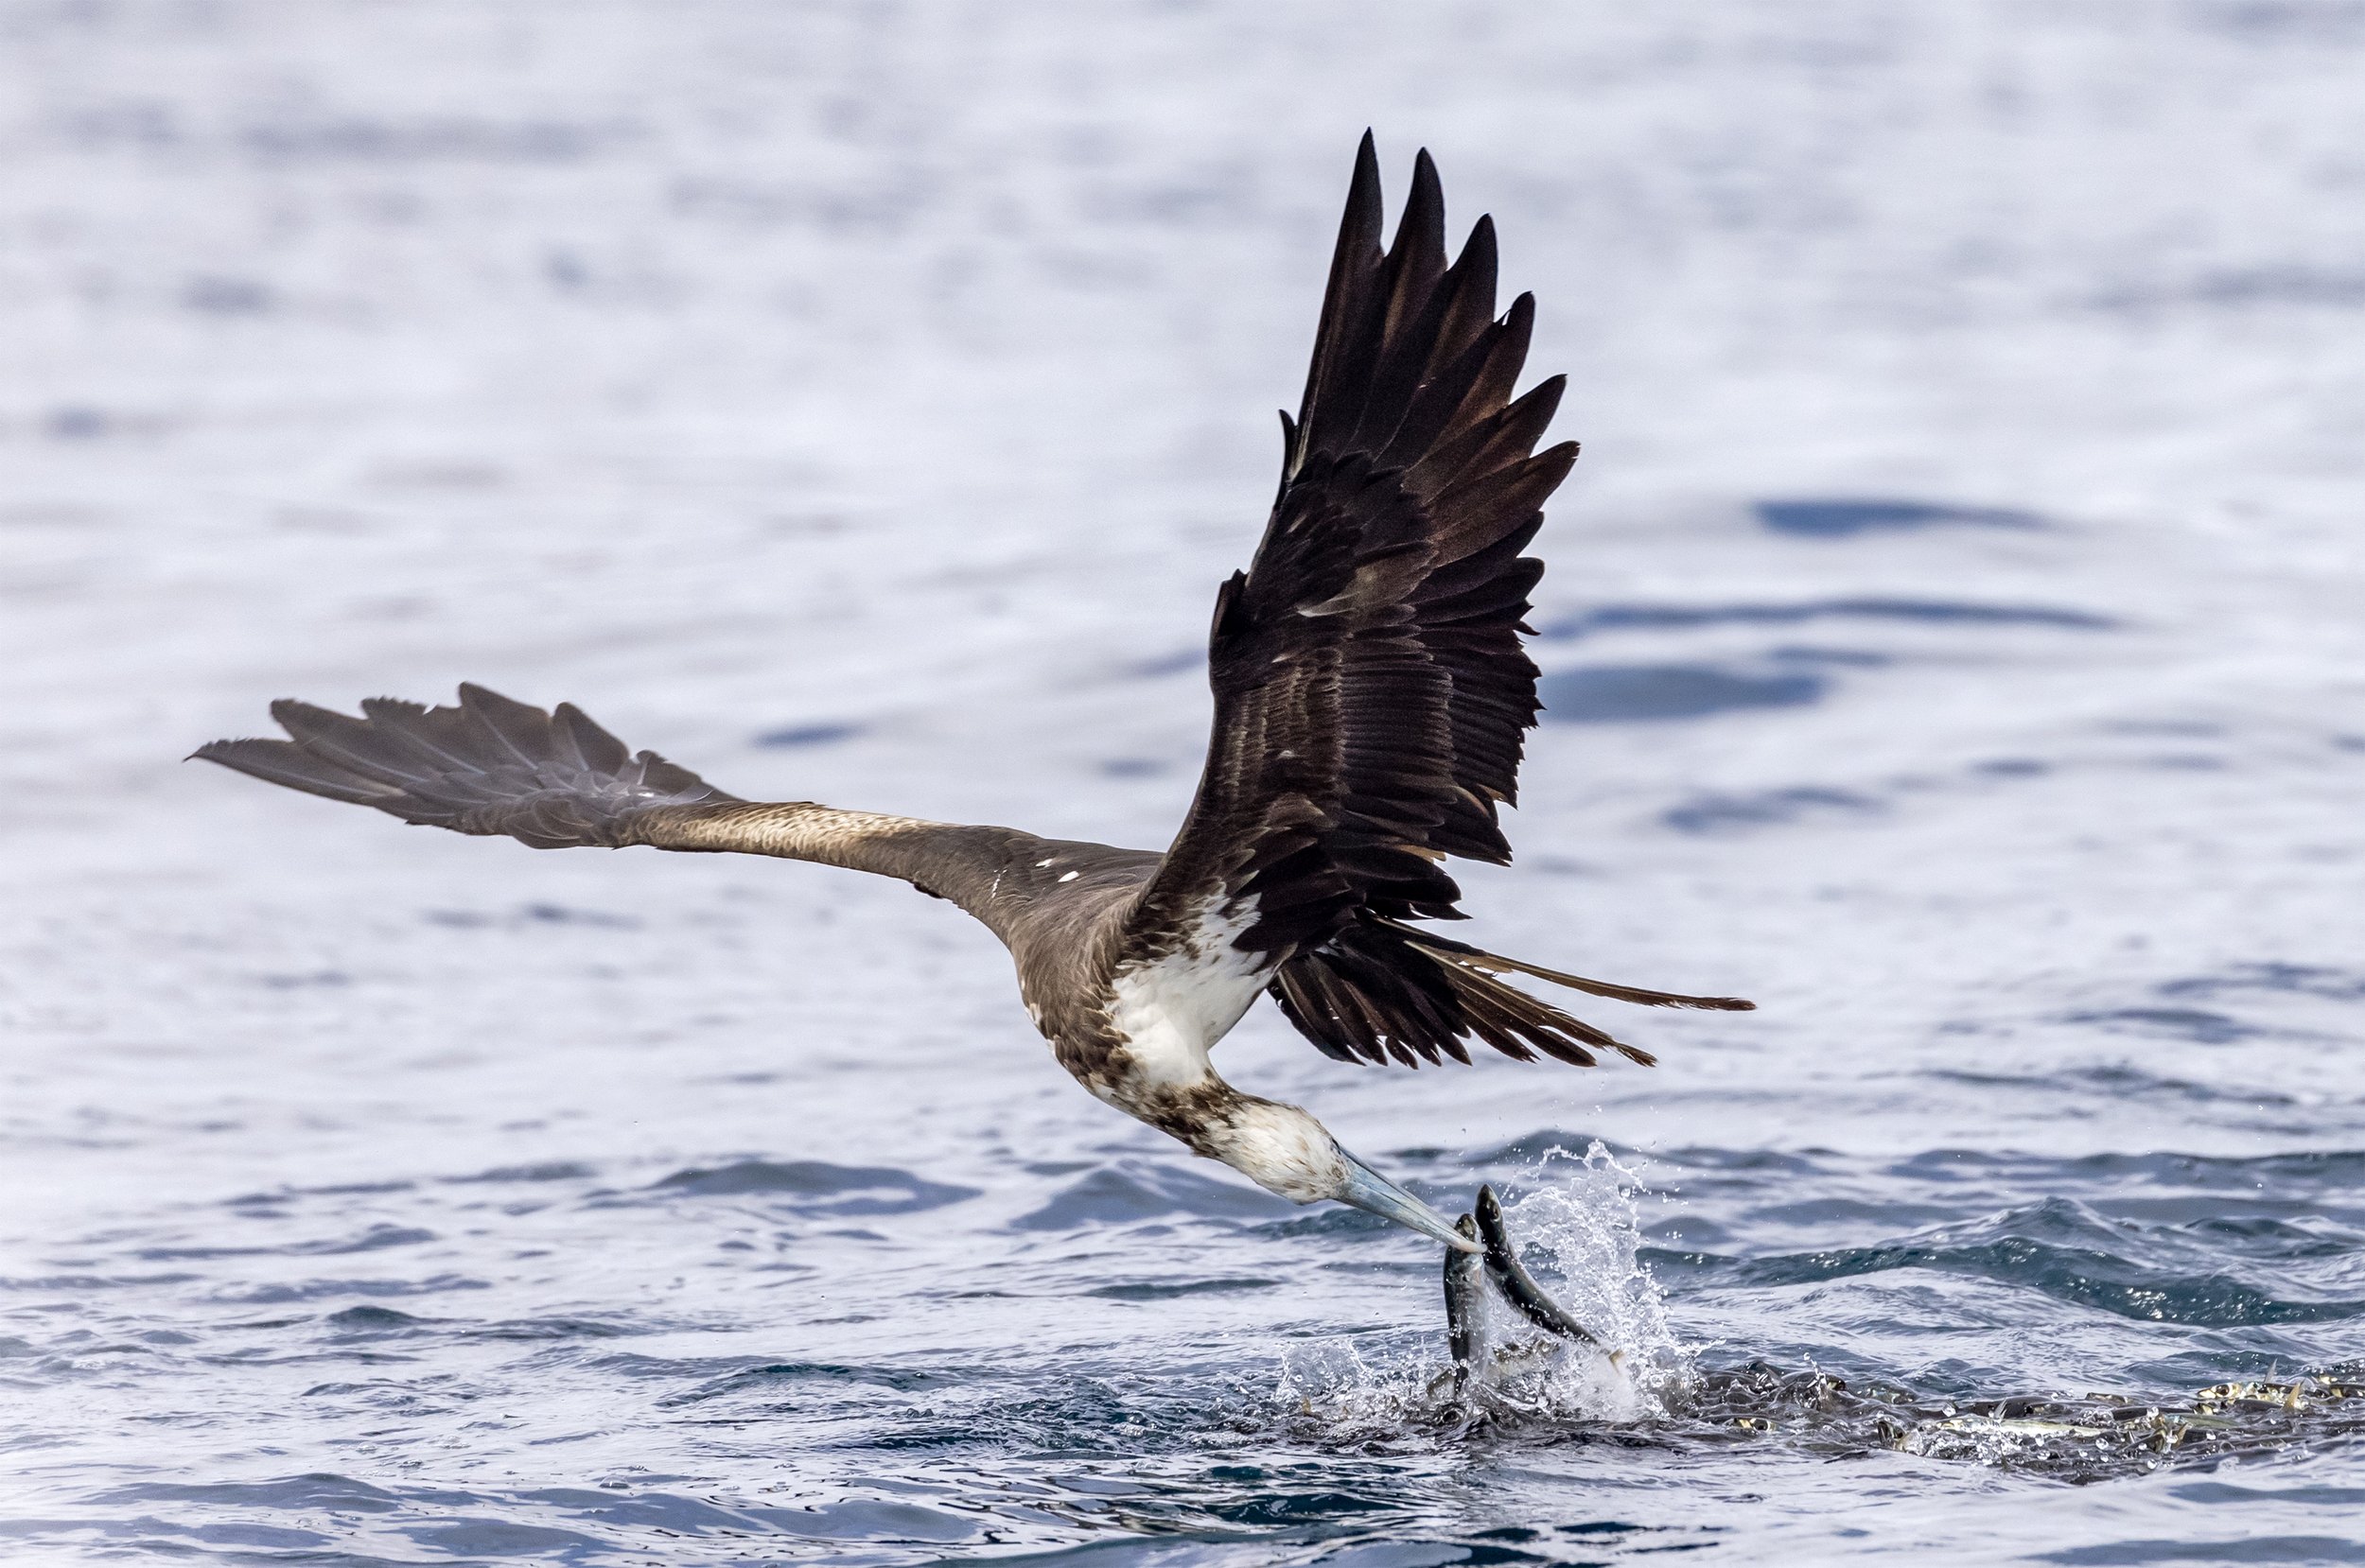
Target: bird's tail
x,y
1380,990
490,766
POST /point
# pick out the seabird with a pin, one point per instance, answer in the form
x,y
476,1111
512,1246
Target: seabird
x,y
1370,699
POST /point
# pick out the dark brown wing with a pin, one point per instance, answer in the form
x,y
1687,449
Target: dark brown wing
x,y
1372,693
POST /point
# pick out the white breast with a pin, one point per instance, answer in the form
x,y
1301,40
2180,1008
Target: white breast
x,y
1172,1011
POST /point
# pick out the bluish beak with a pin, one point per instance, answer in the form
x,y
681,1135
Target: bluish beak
x,y
1367,1190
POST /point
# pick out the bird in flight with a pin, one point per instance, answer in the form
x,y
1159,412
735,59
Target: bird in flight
x,y
1370,699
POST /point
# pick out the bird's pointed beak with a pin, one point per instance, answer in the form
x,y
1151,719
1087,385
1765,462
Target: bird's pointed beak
x,y
1367,1190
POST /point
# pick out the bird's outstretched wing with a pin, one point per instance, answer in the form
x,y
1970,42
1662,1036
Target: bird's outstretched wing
x,y
556,780
1372,693
489,766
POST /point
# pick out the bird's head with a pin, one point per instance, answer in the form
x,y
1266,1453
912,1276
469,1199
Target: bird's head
x,y
1284,1150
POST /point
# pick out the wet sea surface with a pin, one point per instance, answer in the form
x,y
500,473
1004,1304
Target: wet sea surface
x,y
1950,643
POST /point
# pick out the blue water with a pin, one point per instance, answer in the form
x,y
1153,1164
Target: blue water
x,y
788,1360
1950,642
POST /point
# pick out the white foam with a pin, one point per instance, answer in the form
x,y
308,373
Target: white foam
x,y
1576,1218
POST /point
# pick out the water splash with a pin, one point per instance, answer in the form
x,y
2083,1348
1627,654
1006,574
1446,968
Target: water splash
x,y
1576,1220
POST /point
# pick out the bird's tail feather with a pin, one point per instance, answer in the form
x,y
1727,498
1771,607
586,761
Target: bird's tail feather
x,y
1380,991
1444,946
489,766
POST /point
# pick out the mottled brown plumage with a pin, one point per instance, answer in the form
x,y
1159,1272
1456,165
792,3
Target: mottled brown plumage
x,y
1371,696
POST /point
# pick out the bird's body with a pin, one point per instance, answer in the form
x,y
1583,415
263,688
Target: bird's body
x,y
1371,697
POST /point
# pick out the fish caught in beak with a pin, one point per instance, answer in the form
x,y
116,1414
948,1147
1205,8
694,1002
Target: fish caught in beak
x,y
1516,1284
1497,1263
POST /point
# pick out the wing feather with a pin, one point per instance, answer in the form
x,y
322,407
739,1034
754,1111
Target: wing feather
x,y
1372,692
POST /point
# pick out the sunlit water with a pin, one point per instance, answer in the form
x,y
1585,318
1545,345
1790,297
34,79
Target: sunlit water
x,y
1950,639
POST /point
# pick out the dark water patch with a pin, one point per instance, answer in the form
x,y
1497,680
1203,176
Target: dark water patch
x,y
2012,767
1134,766
1088,1416
2306,1238
1626,693
286,1195
1992,1080
216,295
1778,1162
320,1490
667,1515
870,1520
262,1325
1947,612
655,1510
1316,1506
1731,813
2058,1248
527,915
314,1290
1832,518
2300,1175
2311,1170
2226,1491
324,980
2296,979
1950,1165
1168,664
530,1329
2243,289
560,915
2118,1081
1169,1291
807,734
780,1377
76,423
2252,1355
79,1285
555,1170
1833,1211
1845,658
1131,1191
819,1186
499,1538
1693,1231
375,1321
2266,24
2186,1024
631,1363
2187,728
376,1239
2135,1083
1337,1220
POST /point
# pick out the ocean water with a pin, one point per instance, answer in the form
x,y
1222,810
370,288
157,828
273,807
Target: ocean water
x,y
1951,641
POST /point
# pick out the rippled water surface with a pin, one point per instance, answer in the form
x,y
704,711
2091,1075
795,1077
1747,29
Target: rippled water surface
x,y
1950,639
